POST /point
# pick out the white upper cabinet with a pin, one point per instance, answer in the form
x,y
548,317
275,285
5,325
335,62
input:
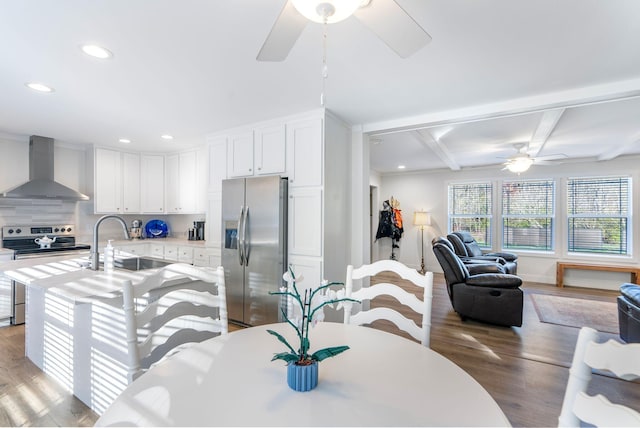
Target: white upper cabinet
x,y
130,183
108,181
305,152
152,184
240,155
270,149
182,184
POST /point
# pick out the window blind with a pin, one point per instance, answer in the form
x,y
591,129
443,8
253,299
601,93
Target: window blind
x,y
470,209
528,214
599,214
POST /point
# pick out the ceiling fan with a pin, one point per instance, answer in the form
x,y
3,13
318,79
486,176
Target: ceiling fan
x,y
522,161
386,18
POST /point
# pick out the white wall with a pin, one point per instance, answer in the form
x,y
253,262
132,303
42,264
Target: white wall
x,y
428,191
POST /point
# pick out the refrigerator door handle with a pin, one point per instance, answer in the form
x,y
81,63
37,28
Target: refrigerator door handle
x,y
241,237
246,242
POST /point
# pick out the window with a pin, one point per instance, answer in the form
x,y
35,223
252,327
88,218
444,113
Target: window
x,y
470,209
599,215
528,214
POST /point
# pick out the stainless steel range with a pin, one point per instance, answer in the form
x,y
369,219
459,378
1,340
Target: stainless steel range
x,y
37,241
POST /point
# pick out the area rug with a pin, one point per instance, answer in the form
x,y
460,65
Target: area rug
x,y
602,316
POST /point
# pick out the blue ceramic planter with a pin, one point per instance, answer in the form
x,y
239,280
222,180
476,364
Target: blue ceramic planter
x,y
302,378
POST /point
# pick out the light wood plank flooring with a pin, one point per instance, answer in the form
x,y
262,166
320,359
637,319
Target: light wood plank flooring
x,y
525,369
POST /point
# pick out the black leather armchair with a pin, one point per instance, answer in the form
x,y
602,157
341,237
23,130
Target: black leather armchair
x,y
490,297
629,312
465,245
475,265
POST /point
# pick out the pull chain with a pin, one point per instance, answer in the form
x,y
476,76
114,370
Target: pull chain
x,y
325,72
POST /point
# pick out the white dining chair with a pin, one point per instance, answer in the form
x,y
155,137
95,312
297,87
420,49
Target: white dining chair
x,y
178,305
420,332
623,360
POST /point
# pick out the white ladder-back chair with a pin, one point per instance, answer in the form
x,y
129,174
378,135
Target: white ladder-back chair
x,y
177,305
419,332
623,360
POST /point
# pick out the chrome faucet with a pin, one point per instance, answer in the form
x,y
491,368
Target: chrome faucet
x,y
95,254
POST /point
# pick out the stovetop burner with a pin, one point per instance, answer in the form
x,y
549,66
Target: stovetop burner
x,y
21,239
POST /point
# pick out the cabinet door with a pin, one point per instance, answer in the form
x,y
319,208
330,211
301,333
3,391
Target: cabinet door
x,y
188,182
130,183
305,222
240,155
185,255
171,252
270,147
304,152
172,177
108,181
152,184
217,163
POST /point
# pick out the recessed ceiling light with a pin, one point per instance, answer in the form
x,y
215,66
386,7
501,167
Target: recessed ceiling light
x,y
167,137
401,167
124,140
96,51
39,87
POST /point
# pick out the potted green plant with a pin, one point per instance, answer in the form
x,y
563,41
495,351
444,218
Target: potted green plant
x,y
302,366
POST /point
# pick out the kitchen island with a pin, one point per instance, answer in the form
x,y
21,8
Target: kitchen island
x,y
75,327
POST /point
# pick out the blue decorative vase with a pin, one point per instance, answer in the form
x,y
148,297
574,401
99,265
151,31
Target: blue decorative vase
x,y
302,378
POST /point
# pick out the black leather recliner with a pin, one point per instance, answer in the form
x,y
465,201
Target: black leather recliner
x,y
475,265
465,245
490,297
629,312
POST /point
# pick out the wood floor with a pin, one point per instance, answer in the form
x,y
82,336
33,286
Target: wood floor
x,y
525,369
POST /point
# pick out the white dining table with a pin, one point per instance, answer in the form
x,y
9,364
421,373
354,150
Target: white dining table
x,y
382,380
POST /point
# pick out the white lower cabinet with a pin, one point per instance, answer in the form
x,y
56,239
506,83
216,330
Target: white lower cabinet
x,y
309,268
305,221
171,252
156,250
185,255
137,249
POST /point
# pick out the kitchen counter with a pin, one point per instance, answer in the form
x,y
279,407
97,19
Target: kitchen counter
x,y
69,277
75,326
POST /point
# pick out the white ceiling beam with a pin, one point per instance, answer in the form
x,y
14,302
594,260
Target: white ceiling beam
x,y
547,124
425,138
619,149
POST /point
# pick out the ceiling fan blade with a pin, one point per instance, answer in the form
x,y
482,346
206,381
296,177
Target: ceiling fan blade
x,y
551,157
546,162
389,21
283,34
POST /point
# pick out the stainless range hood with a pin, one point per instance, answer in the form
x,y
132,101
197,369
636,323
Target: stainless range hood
x,y
41,184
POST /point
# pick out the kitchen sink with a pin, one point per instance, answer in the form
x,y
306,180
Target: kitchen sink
x,y
139,263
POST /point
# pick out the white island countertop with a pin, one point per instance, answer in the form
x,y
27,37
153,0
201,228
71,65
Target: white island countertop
x,y
66,277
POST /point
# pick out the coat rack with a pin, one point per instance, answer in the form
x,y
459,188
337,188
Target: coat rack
x,y
390,224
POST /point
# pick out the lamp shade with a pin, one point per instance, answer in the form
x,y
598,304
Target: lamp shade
x,y
329,10
421,218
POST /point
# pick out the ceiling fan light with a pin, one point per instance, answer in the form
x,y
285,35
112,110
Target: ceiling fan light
x,y
520,164
330,11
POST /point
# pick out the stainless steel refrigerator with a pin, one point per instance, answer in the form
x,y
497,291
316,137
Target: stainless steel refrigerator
x,y
254,247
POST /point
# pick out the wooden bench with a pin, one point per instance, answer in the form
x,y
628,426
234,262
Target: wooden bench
x,y
561,266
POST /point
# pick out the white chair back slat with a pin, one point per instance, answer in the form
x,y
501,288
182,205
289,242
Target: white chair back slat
x,y
420,332
403,323
621,360
171,308
599,411
408,299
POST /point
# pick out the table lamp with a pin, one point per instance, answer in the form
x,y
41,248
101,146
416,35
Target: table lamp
x,y
422,219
